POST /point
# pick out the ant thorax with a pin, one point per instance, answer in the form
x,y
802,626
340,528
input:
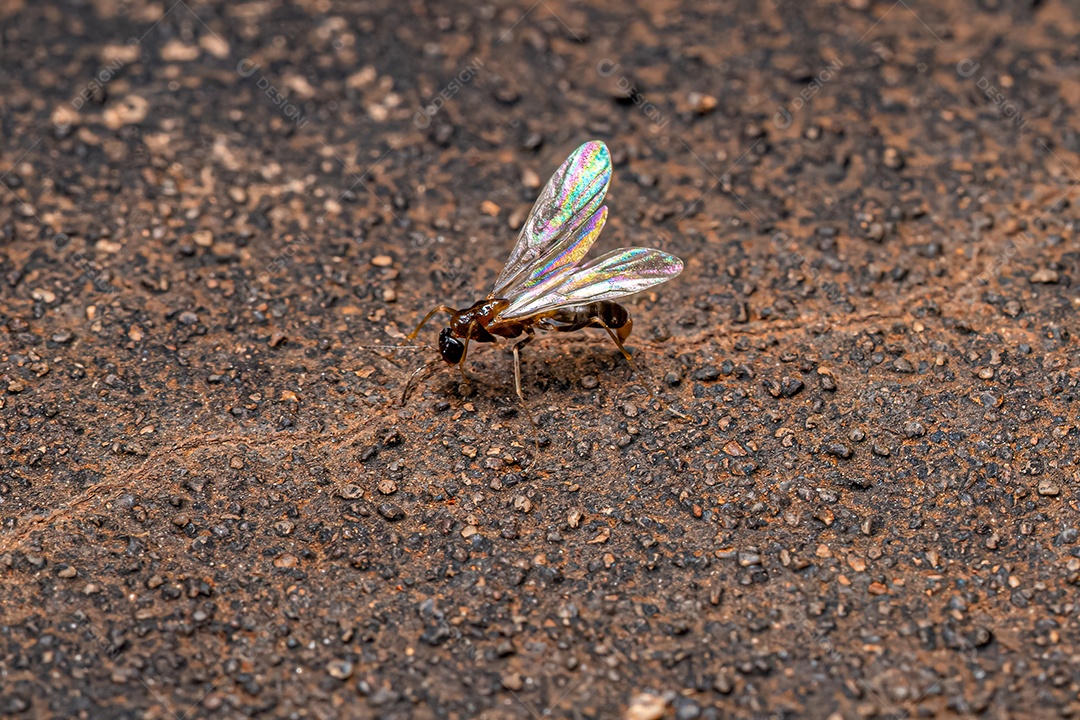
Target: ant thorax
x,y
465,323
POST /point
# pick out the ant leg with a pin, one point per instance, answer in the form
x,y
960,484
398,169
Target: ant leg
x,y
464,354
426,367
517,382
441,308
618,341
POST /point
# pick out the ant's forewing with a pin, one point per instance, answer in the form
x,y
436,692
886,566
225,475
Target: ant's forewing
x,y
550,238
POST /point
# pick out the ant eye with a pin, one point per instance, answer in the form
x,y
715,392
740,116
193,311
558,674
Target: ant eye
x,y
450,347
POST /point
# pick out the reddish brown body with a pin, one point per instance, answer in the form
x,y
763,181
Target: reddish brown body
x,y
480,323
473,323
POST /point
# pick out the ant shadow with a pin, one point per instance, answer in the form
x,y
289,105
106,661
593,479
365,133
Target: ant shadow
x,y
571,368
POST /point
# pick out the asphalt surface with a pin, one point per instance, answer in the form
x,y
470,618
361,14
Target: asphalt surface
x,y
855,495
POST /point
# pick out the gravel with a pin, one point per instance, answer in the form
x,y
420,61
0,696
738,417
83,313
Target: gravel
x,y
852,494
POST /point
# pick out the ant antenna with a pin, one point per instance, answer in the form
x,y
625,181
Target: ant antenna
x,y
426,367
394,347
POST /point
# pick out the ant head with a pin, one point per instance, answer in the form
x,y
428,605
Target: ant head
x,y
450,347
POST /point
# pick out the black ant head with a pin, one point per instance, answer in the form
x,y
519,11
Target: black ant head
x,y
450,347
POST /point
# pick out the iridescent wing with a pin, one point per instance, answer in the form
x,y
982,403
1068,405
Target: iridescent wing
x,y
563,256
563,223
619,273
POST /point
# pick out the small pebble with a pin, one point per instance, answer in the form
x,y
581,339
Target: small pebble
x,y
1045,276
734,449
339,669
914,429
391,511
1049,488
646,706
701,103
839,450
790,387
707,373
902,365
893,159
1012,308
687,710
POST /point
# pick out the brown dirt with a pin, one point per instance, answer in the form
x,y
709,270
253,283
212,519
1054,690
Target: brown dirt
x,y
856,497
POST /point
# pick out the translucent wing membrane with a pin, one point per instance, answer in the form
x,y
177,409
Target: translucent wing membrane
x,y
544,271
563,223
619,273
562,257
